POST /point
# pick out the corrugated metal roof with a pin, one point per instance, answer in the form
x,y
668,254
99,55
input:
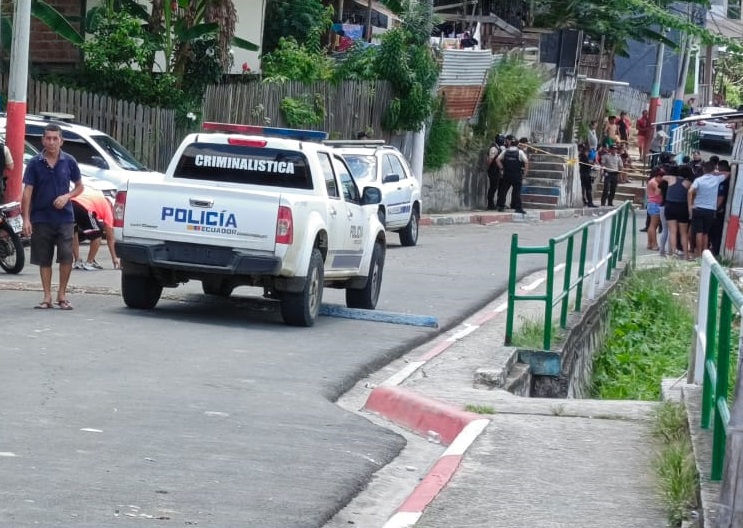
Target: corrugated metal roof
x,y
461,101
465,67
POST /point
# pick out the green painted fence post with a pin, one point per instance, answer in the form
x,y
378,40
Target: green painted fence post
x,y
721,391
709,351
511,287
549,295
566,283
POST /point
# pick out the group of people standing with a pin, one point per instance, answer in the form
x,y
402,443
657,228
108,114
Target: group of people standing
x,y
507,165
687,201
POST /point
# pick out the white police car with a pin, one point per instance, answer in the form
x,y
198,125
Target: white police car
x,y
373,162
99,155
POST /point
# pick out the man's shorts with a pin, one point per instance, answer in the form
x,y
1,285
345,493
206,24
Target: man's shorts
x,y
87,225
701,220
45,237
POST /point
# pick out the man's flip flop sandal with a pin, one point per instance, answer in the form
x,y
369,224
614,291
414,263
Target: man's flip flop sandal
x,y
64,305
44,306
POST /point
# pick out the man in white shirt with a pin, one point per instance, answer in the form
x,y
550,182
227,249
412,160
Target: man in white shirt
x,y
612,164
703,204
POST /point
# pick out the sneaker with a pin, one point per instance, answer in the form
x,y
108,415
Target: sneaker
x,y
78,265
87,266
520,211
95,265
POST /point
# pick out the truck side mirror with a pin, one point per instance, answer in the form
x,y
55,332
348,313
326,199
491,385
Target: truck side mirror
x,y
371,196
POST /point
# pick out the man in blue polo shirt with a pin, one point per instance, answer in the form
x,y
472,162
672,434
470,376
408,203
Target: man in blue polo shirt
x,y
703,204
48,216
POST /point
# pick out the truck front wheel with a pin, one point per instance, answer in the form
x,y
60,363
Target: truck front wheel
x,y
301,309
368,296
140,291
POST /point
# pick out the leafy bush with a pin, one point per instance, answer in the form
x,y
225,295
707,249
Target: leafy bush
x,y
442,138
511,86
294,61
303,113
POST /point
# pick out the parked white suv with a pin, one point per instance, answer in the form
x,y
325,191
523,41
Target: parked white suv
x,y
716,131
98,154
374,163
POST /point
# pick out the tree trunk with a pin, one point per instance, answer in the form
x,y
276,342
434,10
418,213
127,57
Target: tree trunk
x,y
155,27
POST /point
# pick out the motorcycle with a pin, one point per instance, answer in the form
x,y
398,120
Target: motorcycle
x,y
12,255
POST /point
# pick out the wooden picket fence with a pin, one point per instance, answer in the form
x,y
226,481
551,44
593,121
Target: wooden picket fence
x,y
350,106
150,134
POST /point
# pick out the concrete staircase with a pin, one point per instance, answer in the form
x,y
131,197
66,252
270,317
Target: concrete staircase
x,y
634,192
550,182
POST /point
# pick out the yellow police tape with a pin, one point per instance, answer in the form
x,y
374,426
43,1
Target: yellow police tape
x,y
570,161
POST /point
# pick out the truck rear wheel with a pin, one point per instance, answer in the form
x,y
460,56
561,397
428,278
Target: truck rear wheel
x,y
409,233
140,291
301,309
368,296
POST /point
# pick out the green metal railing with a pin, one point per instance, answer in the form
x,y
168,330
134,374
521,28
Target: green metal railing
x,y
718,294
608,247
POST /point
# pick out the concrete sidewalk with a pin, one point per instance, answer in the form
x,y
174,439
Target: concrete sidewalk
x,y
522,462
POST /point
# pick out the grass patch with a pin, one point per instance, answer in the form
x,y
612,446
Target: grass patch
x,y
674,462
650,331
479,409
530,333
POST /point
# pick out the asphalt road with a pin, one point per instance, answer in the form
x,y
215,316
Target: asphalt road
x,y
211,412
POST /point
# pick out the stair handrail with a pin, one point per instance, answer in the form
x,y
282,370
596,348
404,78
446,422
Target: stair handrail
x,y
608,250
718,295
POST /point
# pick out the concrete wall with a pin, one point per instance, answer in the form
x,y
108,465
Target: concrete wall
x,y
586,334
460,186
463,184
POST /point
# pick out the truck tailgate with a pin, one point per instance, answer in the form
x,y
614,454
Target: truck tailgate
x,y
217,216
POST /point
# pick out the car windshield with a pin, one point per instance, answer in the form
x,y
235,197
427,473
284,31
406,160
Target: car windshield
x,y
123,157
363,168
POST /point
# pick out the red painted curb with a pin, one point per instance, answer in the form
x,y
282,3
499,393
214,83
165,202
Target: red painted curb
x,y
547,215
441,473
418,413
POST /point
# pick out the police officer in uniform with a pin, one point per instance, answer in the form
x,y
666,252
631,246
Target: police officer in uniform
x,y
493,171
513,164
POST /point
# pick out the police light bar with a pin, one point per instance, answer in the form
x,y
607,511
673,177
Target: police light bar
x,y
354,142
287,133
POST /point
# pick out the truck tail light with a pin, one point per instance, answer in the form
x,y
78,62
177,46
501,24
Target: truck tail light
x,y
119,206
284,226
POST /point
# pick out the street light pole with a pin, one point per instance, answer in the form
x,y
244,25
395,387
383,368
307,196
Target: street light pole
x,y
17,87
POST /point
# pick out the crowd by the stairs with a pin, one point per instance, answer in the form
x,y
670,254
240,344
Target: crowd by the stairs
x,y
685,201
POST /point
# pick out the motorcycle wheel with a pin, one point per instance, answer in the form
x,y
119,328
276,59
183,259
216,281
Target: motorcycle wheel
x,y
12,255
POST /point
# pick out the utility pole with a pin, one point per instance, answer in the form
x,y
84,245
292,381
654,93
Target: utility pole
x,y
17,87
655,90
678,101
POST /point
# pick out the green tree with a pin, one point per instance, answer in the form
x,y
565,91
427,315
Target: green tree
x,y
291,19
406,61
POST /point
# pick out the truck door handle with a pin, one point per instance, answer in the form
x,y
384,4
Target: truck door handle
x,y
207,204
333,212
350,214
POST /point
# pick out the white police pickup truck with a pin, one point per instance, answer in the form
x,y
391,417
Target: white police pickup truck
x,y
257,206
